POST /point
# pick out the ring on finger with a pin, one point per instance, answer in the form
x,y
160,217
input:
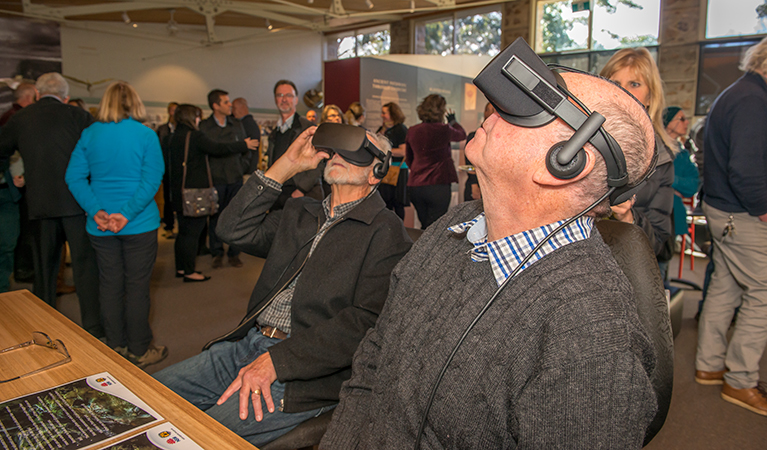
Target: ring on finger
x,y
256,391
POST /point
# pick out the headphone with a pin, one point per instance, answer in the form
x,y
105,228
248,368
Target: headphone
x,y
381,169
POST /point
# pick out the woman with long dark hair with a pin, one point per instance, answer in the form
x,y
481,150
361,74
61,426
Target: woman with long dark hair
x,y
429,157
200,146
114,173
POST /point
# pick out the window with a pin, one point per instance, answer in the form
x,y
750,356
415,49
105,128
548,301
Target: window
x,y
569,25
718,69
351,44
475,32
726,18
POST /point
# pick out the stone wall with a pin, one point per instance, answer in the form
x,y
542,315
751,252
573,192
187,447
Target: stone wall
x,y
679,51
400,37
516,21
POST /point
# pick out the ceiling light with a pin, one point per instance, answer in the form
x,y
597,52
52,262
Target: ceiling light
x,y
369,3
126,19
135,25
269,25
172,24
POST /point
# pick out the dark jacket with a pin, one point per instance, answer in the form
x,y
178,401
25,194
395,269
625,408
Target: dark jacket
x,y
655,201
429,155
45,133
253,131
735,174
341,290
308,182
197,171
226,169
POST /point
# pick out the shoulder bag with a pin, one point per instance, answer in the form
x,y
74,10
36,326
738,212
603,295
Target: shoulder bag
x,y
198,202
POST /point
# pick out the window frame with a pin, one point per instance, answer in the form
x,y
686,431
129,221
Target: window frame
x,y
330,39
703,28
535,35
455,16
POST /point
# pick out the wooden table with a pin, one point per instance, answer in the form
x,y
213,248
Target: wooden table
x,y
21,313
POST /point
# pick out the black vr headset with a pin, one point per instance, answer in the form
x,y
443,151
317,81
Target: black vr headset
x,y
526,93
352,144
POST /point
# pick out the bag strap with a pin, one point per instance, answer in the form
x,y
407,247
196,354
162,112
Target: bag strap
x,y
186,155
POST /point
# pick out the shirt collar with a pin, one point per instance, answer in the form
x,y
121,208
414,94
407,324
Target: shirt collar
x,y
340,210
285,126
507,253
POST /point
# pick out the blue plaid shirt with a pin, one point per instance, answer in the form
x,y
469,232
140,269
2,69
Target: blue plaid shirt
x,y
507,253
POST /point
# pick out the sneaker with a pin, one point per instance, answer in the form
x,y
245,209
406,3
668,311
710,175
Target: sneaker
x,y
710,378
235,261
153,355
169,234
753,399
218,261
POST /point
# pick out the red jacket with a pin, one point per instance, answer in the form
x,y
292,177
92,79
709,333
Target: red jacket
x,y
428,153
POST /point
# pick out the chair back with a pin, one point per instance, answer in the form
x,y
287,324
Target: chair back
x,y
632,251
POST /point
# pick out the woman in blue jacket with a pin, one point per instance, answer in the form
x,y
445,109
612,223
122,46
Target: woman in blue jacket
x,y
114,173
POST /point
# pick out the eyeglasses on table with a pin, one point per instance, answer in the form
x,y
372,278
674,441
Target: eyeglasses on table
x,y
43,340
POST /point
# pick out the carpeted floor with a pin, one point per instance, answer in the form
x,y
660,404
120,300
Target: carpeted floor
x,y
186,315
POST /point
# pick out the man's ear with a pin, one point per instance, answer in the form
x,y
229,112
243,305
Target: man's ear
x,y
372,180
543,177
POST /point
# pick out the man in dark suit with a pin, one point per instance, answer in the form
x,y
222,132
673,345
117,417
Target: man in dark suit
x,y
45,133
289,126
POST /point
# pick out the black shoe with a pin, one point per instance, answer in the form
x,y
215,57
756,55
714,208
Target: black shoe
x,y
218,261
180,274
195,280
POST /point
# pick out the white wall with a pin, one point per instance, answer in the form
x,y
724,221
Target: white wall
x,y
182,69
465,65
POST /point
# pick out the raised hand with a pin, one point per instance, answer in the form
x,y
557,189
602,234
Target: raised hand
x,y
300,157
117,222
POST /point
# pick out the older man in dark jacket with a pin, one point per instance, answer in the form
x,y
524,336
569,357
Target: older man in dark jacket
x,y
322,287
45,133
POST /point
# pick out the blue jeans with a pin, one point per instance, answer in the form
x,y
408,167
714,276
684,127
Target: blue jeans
x,y
203,378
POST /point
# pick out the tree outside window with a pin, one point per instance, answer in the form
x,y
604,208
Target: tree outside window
x,y
477,32
569,25
727,18
357,43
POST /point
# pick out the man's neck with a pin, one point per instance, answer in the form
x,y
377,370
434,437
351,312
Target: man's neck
x,y
286,116
220,118
345,193
509,215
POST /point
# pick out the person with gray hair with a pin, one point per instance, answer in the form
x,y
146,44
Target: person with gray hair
x,y
24,95
735,204
45,134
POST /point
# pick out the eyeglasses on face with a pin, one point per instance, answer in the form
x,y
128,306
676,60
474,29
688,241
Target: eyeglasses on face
x,y
287,96
43,340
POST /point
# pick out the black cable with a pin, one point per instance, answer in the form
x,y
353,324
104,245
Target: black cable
x,y
484,309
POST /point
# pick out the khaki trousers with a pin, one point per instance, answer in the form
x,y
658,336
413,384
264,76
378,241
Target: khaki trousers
x,y
739,279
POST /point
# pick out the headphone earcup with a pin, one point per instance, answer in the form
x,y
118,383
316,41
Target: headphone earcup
x,y
381,169
569,170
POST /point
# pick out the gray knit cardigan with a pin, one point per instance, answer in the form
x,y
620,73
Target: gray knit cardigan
x,y
559,361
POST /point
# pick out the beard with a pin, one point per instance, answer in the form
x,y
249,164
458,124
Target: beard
x,y
342,175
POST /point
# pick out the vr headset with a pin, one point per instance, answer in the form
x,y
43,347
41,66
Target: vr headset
x,y
352,144
526,93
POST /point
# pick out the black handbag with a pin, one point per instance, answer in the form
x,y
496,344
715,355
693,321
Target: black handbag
x,y
198,202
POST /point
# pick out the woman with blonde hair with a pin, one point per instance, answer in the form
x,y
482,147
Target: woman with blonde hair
x,y
634,69
333,114
114,173
355,115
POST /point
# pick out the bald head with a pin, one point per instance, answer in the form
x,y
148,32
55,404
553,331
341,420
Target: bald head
x,y
240,108
625,119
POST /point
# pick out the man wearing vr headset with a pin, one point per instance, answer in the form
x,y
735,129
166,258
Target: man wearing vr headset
x,y
323,284
559,359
